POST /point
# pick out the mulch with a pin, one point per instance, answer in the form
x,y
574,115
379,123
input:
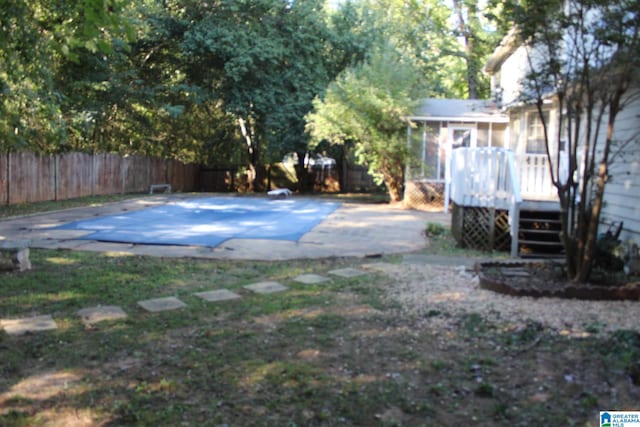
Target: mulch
x,y
546,279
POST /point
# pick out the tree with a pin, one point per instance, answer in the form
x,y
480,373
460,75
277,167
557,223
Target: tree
x,y
584,56
38,38
368,104
265,60
477,37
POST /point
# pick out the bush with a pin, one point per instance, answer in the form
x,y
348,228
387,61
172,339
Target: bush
x,y
434,229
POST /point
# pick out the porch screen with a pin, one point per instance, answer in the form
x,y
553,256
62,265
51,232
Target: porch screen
x,y
424,149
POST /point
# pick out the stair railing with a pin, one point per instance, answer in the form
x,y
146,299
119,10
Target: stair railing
x,y
515,202
486,177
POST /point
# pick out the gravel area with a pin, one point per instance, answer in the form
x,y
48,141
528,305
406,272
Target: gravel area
x,y
425,290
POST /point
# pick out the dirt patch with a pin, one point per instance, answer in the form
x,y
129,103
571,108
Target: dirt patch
x,y
429,290
546,279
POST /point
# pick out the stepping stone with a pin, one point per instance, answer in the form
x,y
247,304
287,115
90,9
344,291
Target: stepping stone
x,y
217,295
28,324
161,304
266,287
100,313
311,279
347,272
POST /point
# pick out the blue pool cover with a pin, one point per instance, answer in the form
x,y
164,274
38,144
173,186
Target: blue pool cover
x,y
209,221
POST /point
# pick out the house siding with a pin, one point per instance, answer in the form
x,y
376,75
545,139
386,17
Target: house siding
x,y
513,71
622,193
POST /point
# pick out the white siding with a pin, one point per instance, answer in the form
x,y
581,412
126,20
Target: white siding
x,y
622,193
512,72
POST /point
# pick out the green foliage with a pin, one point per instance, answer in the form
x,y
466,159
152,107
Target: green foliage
x,y
267,62
368,104
477,31
44,37
435,229
227,82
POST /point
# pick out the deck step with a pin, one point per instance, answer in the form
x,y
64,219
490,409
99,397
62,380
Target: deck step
x,y
539,243
541,220
540,231
543,256
539,234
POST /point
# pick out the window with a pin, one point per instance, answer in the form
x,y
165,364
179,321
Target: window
x,y
461,138
535,133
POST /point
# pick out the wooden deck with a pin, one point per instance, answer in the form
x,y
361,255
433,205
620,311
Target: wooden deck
x,y
540,206
483,182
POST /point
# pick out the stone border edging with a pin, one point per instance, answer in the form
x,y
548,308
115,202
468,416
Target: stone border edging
x,y
586,292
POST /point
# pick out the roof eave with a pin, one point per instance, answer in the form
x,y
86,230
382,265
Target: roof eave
x,y
466,119
505,49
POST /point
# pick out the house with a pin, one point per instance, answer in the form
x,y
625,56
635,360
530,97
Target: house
x,y
489,159
438,126
508,69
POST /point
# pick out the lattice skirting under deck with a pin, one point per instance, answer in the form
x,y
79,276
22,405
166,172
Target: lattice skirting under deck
x,y
481,228
421,195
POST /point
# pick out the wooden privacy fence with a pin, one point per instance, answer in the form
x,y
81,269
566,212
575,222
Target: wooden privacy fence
x,y
27,177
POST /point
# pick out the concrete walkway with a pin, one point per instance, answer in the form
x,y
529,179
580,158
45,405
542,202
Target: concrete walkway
x,y
352,230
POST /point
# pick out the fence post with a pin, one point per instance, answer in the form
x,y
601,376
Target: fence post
x,y
124,171
8,179
55,177
93,174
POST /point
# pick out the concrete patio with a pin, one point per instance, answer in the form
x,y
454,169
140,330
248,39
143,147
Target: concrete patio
x,y
354,229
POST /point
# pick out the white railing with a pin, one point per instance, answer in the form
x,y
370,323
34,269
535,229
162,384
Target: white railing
x,y
481,177
486,177
516,201
535,178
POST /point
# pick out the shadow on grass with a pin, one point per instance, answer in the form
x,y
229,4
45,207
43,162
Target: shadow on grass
x,y
336,353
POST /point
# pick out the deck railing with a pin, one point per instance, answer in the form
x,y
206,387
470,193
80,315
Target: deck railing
x,y
535,178
486,177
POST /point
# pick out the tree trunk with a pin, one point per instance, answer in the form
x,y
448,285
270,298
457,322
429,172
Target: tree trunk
x,y
467,33
393,182
586,263
302,173
248,133
394,189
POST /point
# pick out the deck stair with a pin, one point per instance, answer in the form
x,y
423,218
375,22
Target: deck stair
x,y
539,230
484,184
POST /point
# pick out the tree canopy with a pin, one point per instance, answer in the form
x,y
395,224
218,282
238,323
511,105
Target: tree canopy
x,y
369,104
225,82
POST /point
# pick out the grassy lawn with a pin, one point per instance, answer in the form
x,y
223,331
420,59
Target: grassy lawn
x,y
335,354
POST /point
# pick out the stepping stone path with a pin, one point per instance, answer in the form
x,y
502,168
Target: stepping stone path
x,y
311,279
161,304
266,287
217,295
347,272
93,315
28,324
